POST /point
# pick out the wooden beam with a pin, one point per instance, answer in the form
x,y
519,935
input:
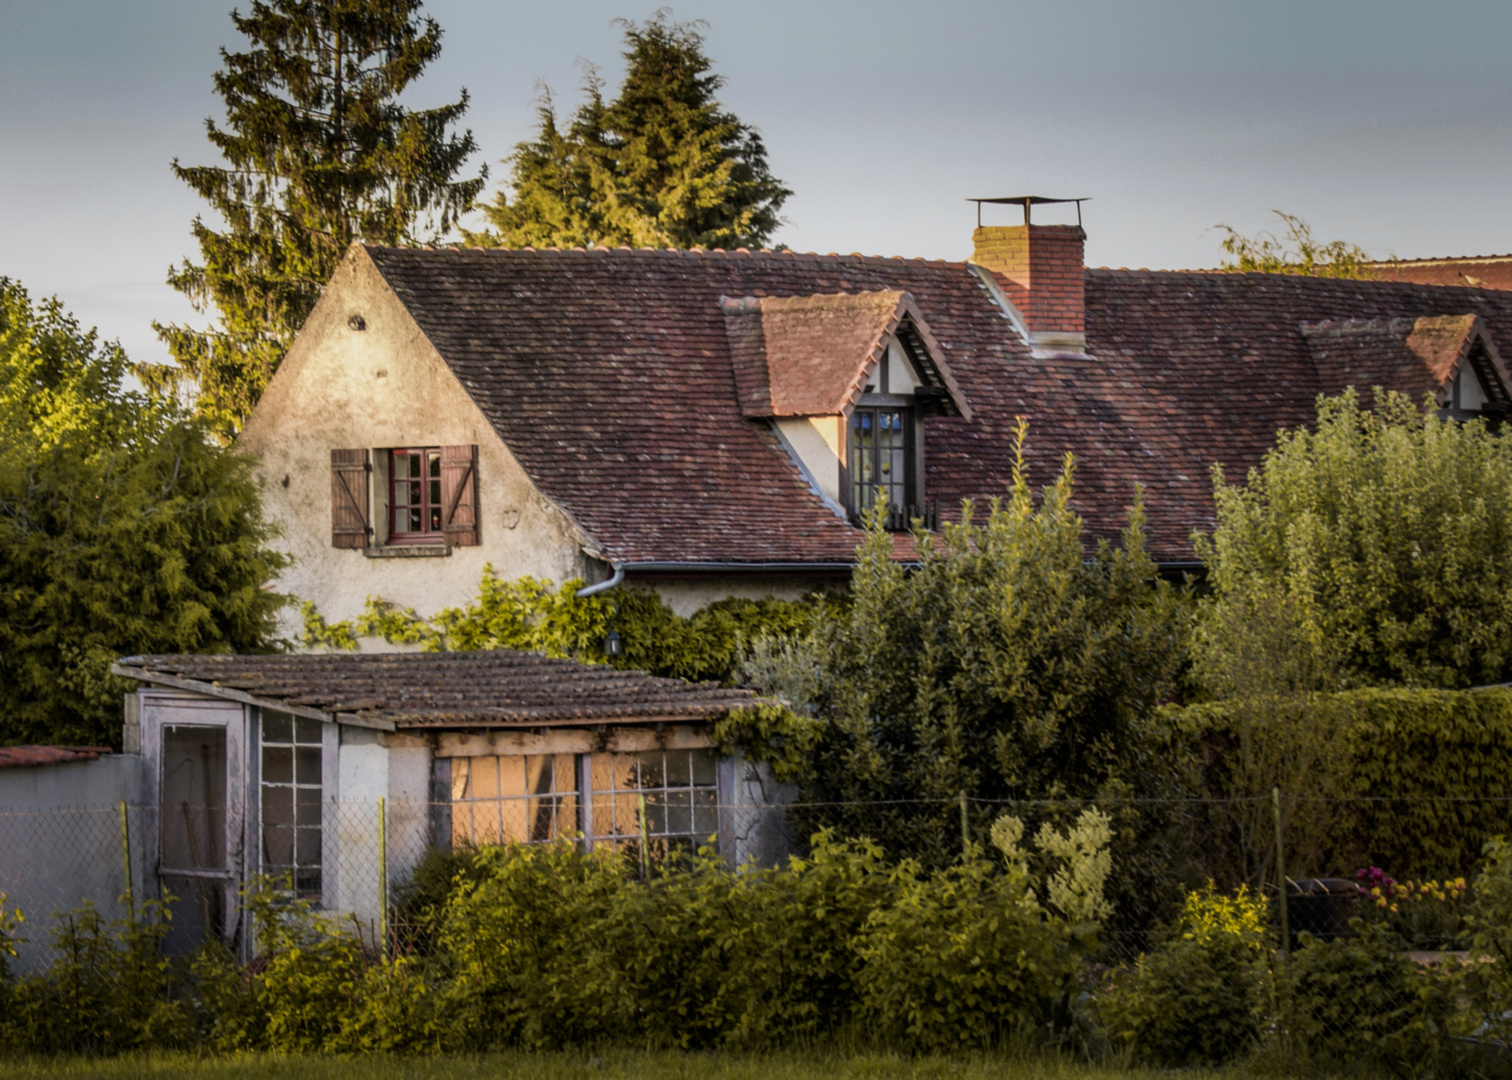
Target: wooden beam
x,y
231,694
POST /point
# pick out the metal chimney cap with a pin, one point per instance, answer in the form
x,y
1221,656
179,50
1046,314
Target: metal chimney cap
x,y
1026,201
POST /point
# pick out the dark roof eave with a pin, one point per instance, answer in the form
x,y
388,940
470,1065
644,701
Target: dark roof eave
x,y
672,567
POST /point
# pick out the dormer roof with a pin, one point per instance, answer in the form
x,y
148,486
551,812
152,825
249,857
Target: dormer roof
x,y
813,355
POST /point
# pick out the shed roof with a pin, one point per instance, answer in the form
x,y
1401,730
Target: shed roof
x,y
496,688
20,757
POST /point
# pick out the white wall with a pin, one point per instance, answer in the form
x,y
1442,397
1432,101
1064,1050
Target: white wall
x,y
380,388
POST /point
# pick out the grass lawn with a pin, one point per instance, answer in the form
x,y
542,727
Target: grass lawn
x,y
613,1065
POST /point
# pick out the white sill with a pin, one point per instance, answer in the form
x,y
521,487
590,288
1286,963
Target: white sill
x,y
407,551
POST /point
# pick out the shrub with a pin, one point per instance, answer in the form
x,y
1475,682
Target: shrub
x,y
1197,998
1362,999
109,989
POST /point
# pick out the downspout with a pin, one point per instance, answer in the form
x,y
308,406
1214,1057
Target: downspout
x,y
603,586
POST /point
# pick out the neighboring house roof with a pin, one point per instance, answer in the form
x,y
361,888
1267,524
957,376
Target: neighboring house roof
x,y
611,377
1480,271
20,757
497,688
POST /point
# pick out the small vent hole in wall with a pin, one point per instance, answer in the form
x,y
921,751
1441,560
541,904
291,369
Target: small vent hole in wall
x,y
357,322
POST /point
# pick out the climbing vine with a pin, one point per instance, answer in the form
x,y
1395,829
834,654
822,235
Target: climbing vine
x,y
540,616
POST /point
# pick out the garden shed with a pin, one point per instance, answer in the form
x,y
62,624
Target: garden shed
x,y
336,772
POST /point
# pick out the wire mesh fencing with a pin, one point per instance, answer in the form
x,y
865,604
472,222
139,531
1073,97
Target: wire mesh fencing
x,y
374,861
1179,898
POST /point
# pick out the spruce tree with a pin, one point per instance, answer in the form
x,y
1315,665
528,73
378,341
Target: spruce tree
x,y
663,165
318,153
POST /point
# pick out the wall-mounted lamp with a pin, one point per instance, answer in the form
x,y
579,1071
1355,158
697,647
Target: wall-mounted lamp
x,y
613,644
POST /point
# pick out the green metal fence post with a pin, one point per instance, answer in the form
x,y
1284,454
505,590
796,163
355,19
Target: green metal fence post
x,y
965,828
126,863
1281,872
644,854
383,913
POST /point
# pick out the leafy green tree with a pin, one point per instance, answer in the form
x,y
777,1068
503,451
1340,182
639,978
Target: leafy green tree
x,y
1382,540
663,165
1009,664
319,152
1295,252
123,529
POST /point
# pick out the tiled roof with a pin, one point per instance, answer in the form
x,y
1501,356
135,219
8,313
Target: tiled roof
x,y
20,757
1412,356
610,376
1479,271
499,688
809,355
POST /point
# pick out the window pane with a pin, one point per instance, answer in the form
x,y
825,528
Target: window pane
x,y
278,846
679,813
678,773
307,805
277,807
308,848
705,767
307,731
278,765
276,726
307,765
652,770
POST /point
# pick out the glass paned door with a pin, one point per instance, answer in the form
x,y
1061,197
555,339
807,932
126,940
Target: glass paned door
x,y
194,752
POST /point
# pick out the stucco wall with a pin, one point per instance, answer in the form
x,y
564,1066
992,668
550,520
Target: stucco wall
x,y
687,596
380,388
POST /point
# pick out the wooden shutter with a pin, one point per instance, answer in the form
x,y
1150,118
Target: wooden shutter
x,y
459,495
351,524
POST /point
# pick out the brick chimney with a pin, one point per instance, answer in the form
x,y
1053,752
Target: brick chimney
x,y
1041,269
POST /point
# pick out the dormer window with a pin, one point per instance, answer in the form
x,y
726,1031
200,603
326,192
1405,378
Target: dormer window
x,y
881,448
845,380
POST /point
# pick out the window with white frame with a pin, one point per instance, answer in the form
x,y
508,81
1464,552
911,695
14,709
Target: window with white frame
x,y
517,798
669,797
677,789
290,797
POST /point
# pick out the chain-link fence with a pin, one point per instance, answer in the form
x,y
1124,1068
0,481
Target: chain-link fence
x,y
1214,958
370,860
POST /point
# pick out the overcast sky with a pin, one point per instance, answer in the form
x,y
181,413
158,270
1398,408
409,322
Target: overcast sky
x,y
1385,123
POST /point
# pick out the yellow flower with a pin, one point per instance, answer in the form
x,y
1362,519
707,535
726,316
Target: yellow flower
x,y
1393,909
1375,891
1381,902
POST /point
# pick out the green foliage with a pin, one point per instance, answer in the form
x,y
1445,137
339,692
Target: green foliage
x,y
1387,536
11,920
109,990
663,165
1008,664
1198,998
1295,253
1490,919
319,152
770,733
1361,999
1432,761
536,615
122,530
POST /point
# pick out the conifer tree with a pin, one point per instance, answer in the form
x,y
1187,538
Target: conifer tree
x,y
318,153
663,165
123,529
